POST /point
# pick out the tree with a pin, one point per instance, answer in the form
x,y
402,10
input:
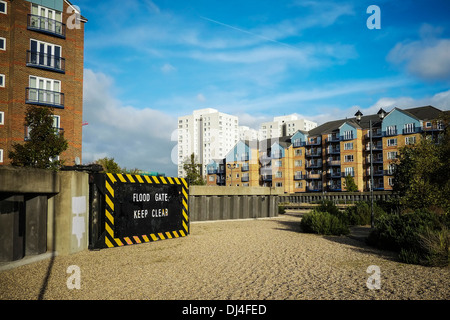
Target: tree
x,y
193,171
349,184
109,165
44,144
422,174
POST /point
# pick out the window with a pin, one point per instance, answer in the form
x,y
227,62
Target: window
x,y
298,163
299,184
348,146
1,155
391,181
348,135
279,174
278,163
428,125
2,80
298,152
46,91
410,140
391,130
392,155
2,44
348,158
3,7
2,118
349,171
391,169
409,128
47,20
392,142
211,178
279,184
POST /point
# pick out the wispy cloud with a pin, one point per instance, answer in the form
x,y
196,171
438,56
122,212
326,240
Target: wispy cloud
x,y
427,58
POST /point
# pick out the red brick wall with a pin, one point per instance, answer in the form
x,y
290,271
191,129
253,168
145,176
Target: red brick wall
x,y
13,27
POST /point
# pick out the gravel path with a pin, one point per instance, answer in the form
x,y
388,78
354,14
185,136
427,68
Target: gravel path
x,y
253,259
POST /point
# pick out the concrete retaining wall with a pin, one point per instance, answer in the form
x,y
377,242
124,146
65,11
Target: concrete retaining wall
x,y
219,203
41,211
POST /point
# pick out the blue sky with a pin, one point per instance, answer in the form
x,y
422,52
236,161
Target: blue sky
x,y
148,62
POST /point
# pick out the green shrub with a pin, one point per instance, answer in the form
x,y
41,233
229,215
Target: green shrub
x,y
323,223
360,214
281,209
420,237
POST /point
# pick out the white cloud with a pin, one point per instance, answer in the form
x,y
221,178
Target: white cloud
x,y
135,138
168,68
427,58
201,97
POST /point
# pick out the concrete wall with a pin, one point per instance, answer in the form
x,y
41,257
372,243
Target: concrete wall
x,y
219,203
42,211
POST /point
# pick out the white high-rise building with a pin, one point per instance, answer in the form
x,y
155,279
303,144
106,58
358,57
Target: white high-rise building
x,y
207,133
246,133
284,126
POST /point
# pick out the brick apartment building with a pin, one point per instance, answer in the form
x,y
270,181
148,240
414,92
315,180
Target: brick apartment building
x,y
41,64
319,159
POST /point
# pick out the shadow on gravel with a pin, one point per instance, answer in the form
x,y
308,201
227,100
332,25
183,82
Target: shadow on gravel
x,y
356,239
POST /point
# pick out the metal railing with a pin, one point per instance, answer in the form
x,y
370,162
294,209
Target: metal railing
x,y
46,61
46,25
44,97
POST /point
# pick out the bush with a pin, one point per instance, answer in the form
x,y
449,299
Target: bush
x,y
420,237
360,214
281,209
323,223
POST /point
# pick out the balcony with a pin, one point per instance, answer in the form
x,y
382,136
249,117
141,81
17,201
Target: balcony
x,y
298,143
314,142
212,171
334,175
245,168
334,187
314,153
47,26
46,62
376,147
44,98
331,150
314,176
220,180
375,160
314,188
313,164
333,138
334,163
376,173
266,177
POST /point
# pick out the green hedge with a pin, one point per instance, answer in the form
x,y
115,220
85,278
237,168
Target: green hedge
x,y
325,223
420,237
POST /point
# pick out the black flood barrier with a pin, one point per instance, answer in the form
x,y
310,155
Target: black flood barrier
x,y
132,209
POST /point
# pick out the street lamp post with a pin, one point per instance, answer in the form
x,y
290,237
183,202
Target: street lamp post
x,y
231,167
381,115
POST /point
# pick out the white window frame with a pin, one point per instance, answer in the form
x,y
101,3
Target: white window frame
x,y
410,128
46,45
348,135
279,174
6,7
3,82
390,155
428,124
391,182
409,139
391,130
52,84
2,117
348,146
347,158
350,170
1,155
4,44
392,142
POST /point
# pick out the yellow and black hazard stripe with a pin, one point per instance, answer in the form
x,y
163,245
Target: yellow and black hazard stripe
x,y
111,179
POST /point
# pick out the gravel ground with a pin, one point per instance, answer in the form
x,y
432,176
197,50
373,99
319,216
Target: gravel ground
x,y
237,260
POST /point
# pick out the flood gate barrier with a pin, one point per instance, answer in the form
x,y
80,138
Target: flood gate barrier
x,y
132,209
